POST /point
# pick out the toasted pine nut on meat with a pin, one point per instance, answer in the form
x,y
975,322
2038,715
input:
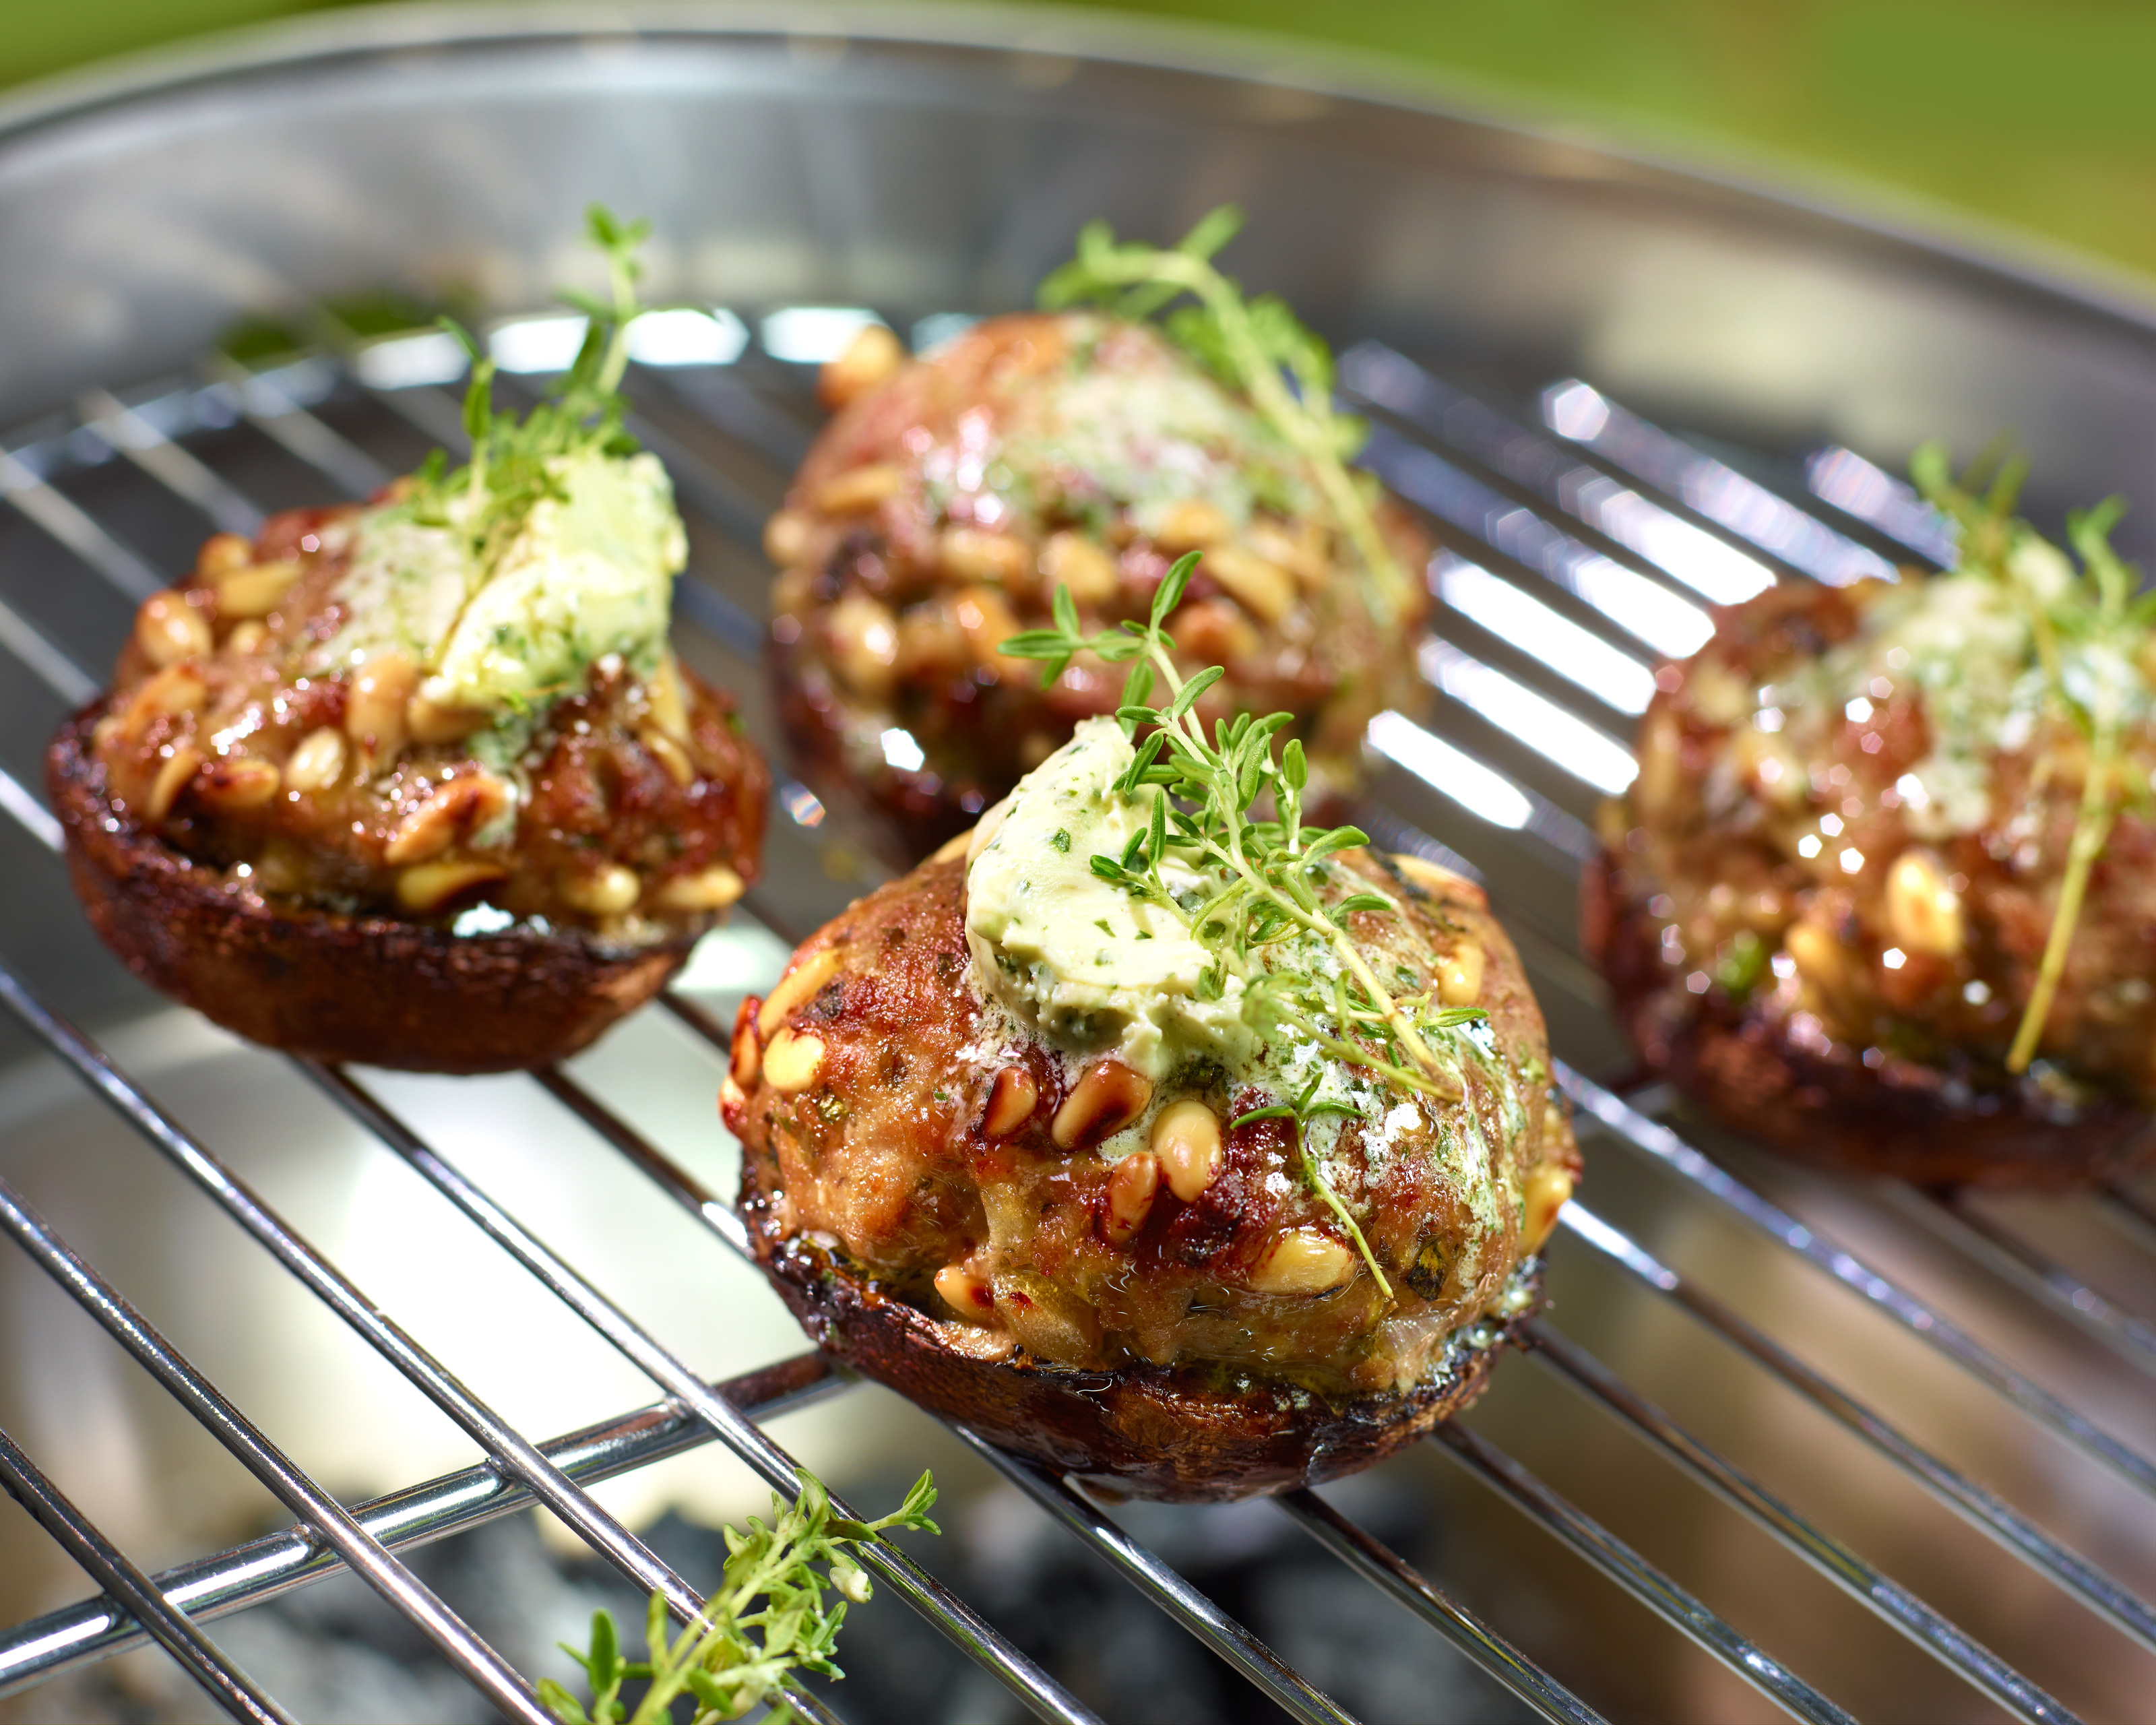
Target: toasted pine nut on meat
x,y
785,538
746,1056
797,987
1923,911
1548,1189
859,490
1072,560
1131,1188
176,688
1107,1097
374,708
668,705
428,887
792,1061
167,629
969,556
669,754
430,721
318,762
966,1294
222,553
1011,1102
453,808
1186,1138
872,356
1264,590
256,590
1302,1261
712,888
606,891
237,782
1459,974
173,776
1190,524
247,638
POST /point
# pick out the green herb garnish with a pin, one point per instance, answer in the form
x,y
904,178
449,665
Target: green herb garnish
x,y
515,463
1258,910
2095,607
1254,346
715,1660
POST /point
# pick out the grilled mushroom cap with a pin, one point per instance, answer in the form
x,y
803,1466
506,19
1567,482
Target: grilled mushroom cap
x,y
1823,903
938,1204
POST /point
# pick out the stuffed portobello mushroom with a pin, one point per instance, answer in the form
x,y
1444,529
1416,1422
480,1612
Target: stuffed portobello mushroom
x,y
1201,1156
1087,450
1884,892
420,783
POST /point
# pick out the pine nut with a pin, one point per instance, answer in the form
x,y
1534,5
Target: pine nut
x,y
712,888
167,629
1265,590
669,754
1548,1189
1186,1138
1923,911
248,637
433,721
747,1057
374,706
972,555
786,538
966,1294
864,644
1011,1102
429,885
458,806
1107,1097
237,782
1189,524
1302,1261
792,1061
797,987
1131,1188
1660,792
1072,560
860,489
1459,974
606,891
254,592
1302,555
731,1096
1818,955
986,617
220,554
666,699
872,356
176,688
318,762
174,776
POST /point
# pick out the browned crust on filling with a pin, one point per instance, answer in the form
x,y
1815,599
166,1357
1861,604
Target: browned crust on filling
x,y
1152,1431
1965,1124
381,990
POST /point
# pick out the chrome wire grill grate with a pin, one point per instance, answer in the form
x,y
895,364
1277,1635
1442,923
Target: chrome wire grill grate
x,y
1582,540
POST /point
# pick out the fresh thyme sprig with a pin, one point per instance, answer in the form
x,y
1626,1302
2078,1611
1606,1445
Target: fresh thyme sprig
x,y
1261,875
515,462
1251,345
715,1660
2095,607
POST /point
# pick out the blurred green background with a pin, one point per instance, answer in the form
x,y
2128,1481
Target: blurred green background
x,y
2040,115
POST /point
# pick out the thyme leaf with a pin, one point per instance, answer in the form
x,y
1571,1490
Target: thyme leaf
x,y
2095,607
740,1652
1253,346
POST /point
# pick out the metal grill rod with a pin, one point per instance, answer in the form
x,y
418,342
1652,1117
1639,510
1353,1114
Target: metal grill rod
x,y
2006,1254
478,1662
1882,1595
508,1447
65,520
248,1575
1980,1508
1628,1126
1377,1564
232,1690
1639,1578
954,1616
173,465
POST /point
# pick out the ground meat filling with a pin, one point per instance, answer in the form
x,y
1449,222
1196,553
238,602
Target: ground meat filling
x,y
937,514
1849,829
631,807
1058,1206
